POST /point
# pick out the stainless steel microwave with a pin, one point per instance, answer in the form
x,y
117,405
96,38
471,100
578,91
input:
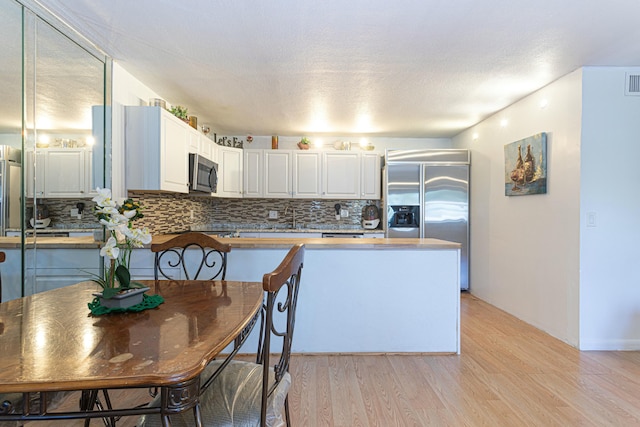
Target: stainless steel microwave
x,y
203,174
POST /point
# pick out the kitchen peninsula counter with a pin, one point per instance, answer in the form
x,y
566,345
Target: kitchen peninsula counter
x,y
332,243
87,242
364,295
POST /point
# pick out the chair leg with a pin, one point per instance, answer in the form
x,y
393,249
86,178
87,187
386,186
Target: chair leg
x,y
286,411
197,415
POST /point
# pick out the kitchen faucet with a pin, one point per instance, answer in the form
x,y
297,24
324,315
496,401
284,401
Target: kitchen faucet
x,y
293,215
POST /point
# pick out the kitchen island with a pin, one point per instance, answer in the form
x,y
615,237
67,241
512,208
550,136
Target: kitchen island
x,y
366,295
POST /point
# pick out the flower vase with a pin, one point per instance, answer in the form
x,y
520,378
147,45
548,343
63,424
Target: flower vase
x,y
303,146
125,299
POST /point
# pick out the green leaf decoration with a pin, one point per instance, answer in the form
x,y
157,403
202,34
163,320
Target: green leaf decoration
x,y
110,292
123,276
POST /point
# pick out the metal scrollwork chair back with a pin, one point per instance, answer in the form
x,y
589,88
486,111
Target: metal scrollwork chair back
x,y
209,254
248,393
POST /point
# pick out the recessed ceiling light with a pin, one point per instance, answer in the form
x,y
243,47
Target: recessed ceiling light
x,y
475,136
544,103
504,122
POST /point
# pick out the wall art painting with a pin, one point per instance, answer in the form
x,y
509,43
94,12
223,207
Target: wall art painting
x,y
525,166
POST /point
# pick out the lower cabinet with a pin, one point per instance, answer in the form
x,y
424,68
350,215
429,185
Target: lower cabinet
x,y
55,268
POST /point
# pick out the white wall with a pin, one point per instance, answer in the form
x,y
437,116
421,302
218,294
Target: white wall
x,y
535,256
610,153
524,252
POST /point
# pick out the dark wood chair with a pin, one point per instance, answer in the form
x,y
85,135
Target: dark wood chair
x,y
209,254
248,393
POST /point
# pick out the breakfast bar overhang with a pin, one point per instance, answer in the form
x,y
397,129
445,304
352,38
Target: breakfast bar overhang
x,y
365,295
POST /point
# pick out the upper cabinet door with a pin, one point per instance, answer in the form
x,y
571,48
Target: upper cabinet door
x,y
341,175
252,175
307,174
230,179
174,156
65,173
205,147
277,174
35,173
370,175
157,150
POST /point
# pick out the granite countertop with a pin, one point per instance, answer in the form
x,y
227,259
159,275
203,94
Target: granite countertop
x,y
333,243
46,242
53,230
243,228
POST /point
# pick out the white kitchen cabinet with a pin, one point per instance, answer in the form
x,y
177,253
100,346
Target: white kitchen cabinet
x,y
341,175
55,268
215,152
370,176
205,147
194,141
60,173
35,173
93,175
230,172
65,173
277,174
253,169
307,174
157,150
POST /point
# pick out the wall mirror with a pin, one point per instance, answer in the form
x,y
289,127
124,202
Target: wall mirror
x,y
52,120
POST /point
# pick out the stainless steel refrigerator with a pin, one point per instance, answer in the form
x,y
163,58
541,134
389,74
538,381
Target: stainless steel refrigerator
x,y
427,195
9,188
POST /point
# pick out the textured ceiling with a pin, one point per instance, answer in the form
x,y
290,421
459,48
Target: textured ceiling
x,y
423,68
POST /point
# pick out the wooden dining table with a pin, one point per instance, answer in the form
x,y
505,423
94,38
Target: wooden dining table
x,y
49,343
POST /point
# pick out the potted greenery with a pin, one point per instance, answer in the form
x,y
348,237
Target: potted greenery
x,y
304,143
118,220
180,112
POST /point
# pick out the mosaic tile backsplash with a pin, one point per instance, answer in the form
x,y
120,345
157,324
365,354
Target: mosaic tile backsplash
x,y
175,213
60,213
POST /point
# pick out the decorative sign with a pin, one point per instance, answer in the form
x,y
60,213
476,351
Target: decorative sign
x,y
230,141
525,166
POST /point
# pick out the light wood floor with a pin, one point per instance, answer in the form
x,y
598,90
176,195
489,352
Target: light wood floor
x,y
509,374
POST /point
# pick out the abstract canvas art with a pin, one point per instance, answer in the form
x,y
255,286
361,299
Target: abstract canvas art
x,y
525,166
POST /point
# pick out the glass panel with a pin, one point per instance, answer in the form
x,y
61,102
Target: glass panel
x,y
53,114
68,101
10,138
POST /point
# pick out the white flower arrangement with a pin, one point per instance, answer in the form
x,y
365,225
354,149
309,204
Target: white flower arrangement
x,y
118,220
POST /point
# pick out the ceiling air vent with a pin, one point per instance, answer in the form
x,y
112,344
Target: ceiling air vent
x,y
632,84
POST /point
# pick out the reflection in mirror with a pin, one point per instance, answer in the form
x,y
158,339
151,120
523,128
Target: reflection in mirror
x,y
61,142
10,115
